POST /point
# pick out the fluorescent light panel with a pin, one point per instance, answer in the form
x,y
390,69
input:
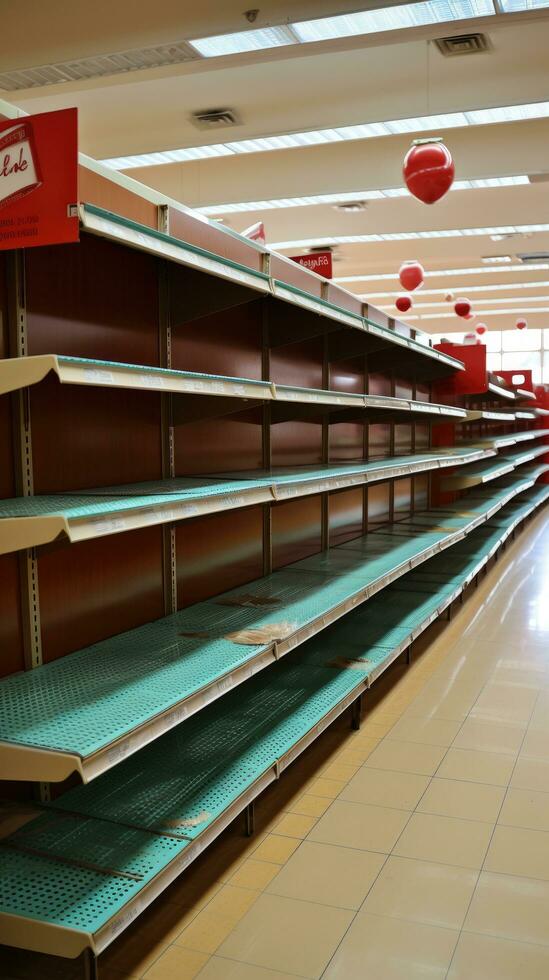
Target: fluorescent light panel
x,y
404,236
506,299
350,196
254,40
514,310
465,290
536,110
391,19
475,271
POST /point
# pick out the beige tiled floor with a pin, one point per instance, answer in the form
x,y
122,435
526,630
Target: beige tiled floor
x,y
415,849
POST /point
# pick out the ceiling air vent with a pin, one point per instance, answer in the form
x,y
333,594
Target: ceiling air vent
x,y
450,47
533,256
214,118
98,66
351,206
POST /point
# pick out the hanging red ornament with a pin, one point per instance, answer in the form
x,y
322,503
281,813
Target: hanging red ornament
x,y
403,304
471,338
521,323
462,307
411,275
449,297
428,169
481,328
470,316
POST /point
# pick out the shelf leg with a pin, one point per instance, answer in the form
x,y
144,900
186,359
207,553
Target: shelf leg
x,y
461,597
249,818
449,612
356,713
91,970
409,654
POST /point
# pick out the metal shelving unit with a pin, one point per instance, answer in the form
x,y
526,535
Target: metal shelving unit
x,y
107,850
27,522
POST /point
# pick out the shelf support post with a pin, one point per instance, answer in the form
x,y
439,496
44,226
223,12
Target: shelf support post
x,y
168,433
356,713
249,819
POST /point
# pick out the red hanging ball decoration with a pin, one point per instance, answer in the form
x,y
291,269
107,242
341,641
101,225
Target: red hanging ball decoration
x,y
521,323
411,275
462,307
481,328
403,304
470,316
471,338
428,170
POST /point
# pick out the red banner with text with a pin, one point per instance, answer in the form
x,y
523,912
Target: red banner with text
x,y
39,180
320,262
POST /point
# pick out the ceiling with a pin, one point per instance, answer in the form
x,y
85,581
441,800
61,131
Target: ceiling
x,y
302,87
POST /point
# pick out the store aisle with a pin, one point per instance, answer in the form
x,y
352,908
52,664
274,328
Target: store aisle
x,y
415,848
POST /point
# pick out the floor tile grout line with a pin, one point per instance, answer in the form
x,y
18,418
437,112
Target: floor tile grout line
x,y
490,841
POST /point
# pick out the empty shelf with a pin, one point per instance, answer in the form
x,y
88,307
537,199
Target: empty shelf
x,y
77,872
229,394
486,415
471,476
87,711
116,228
27,522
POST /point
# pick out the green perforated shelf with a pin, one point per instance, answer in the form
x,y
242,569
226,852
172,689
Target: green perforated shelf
x,y
79,871
31,521
87,711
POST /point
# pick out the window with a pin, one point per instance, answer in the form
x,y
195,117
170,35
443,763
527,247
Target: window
x,y
521,340
524,360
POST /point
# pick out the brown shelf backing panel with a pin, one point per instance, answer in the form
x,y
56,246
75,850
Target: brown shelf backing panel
x,y
403,435
345,515
379,504
423,437
88,437
98,588
11,628
228,342
346,439
298,442
402,498
218,553
217,445
296,530
421,492
93,299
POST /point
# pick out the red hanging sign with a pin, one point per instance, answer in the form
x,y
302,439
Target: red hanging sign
x,y
39,180
320,262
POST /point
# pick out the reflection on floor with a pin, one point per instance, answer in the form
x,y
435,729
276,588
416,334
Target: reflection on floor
x,y
417,847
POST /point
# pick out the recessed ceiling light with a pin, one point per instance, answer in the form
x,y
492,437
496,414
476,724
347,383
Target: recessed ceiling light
x,y
496,259
445,273
352,196
391,18
402,236
478,302
254,40
476,117
514,310
465,290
